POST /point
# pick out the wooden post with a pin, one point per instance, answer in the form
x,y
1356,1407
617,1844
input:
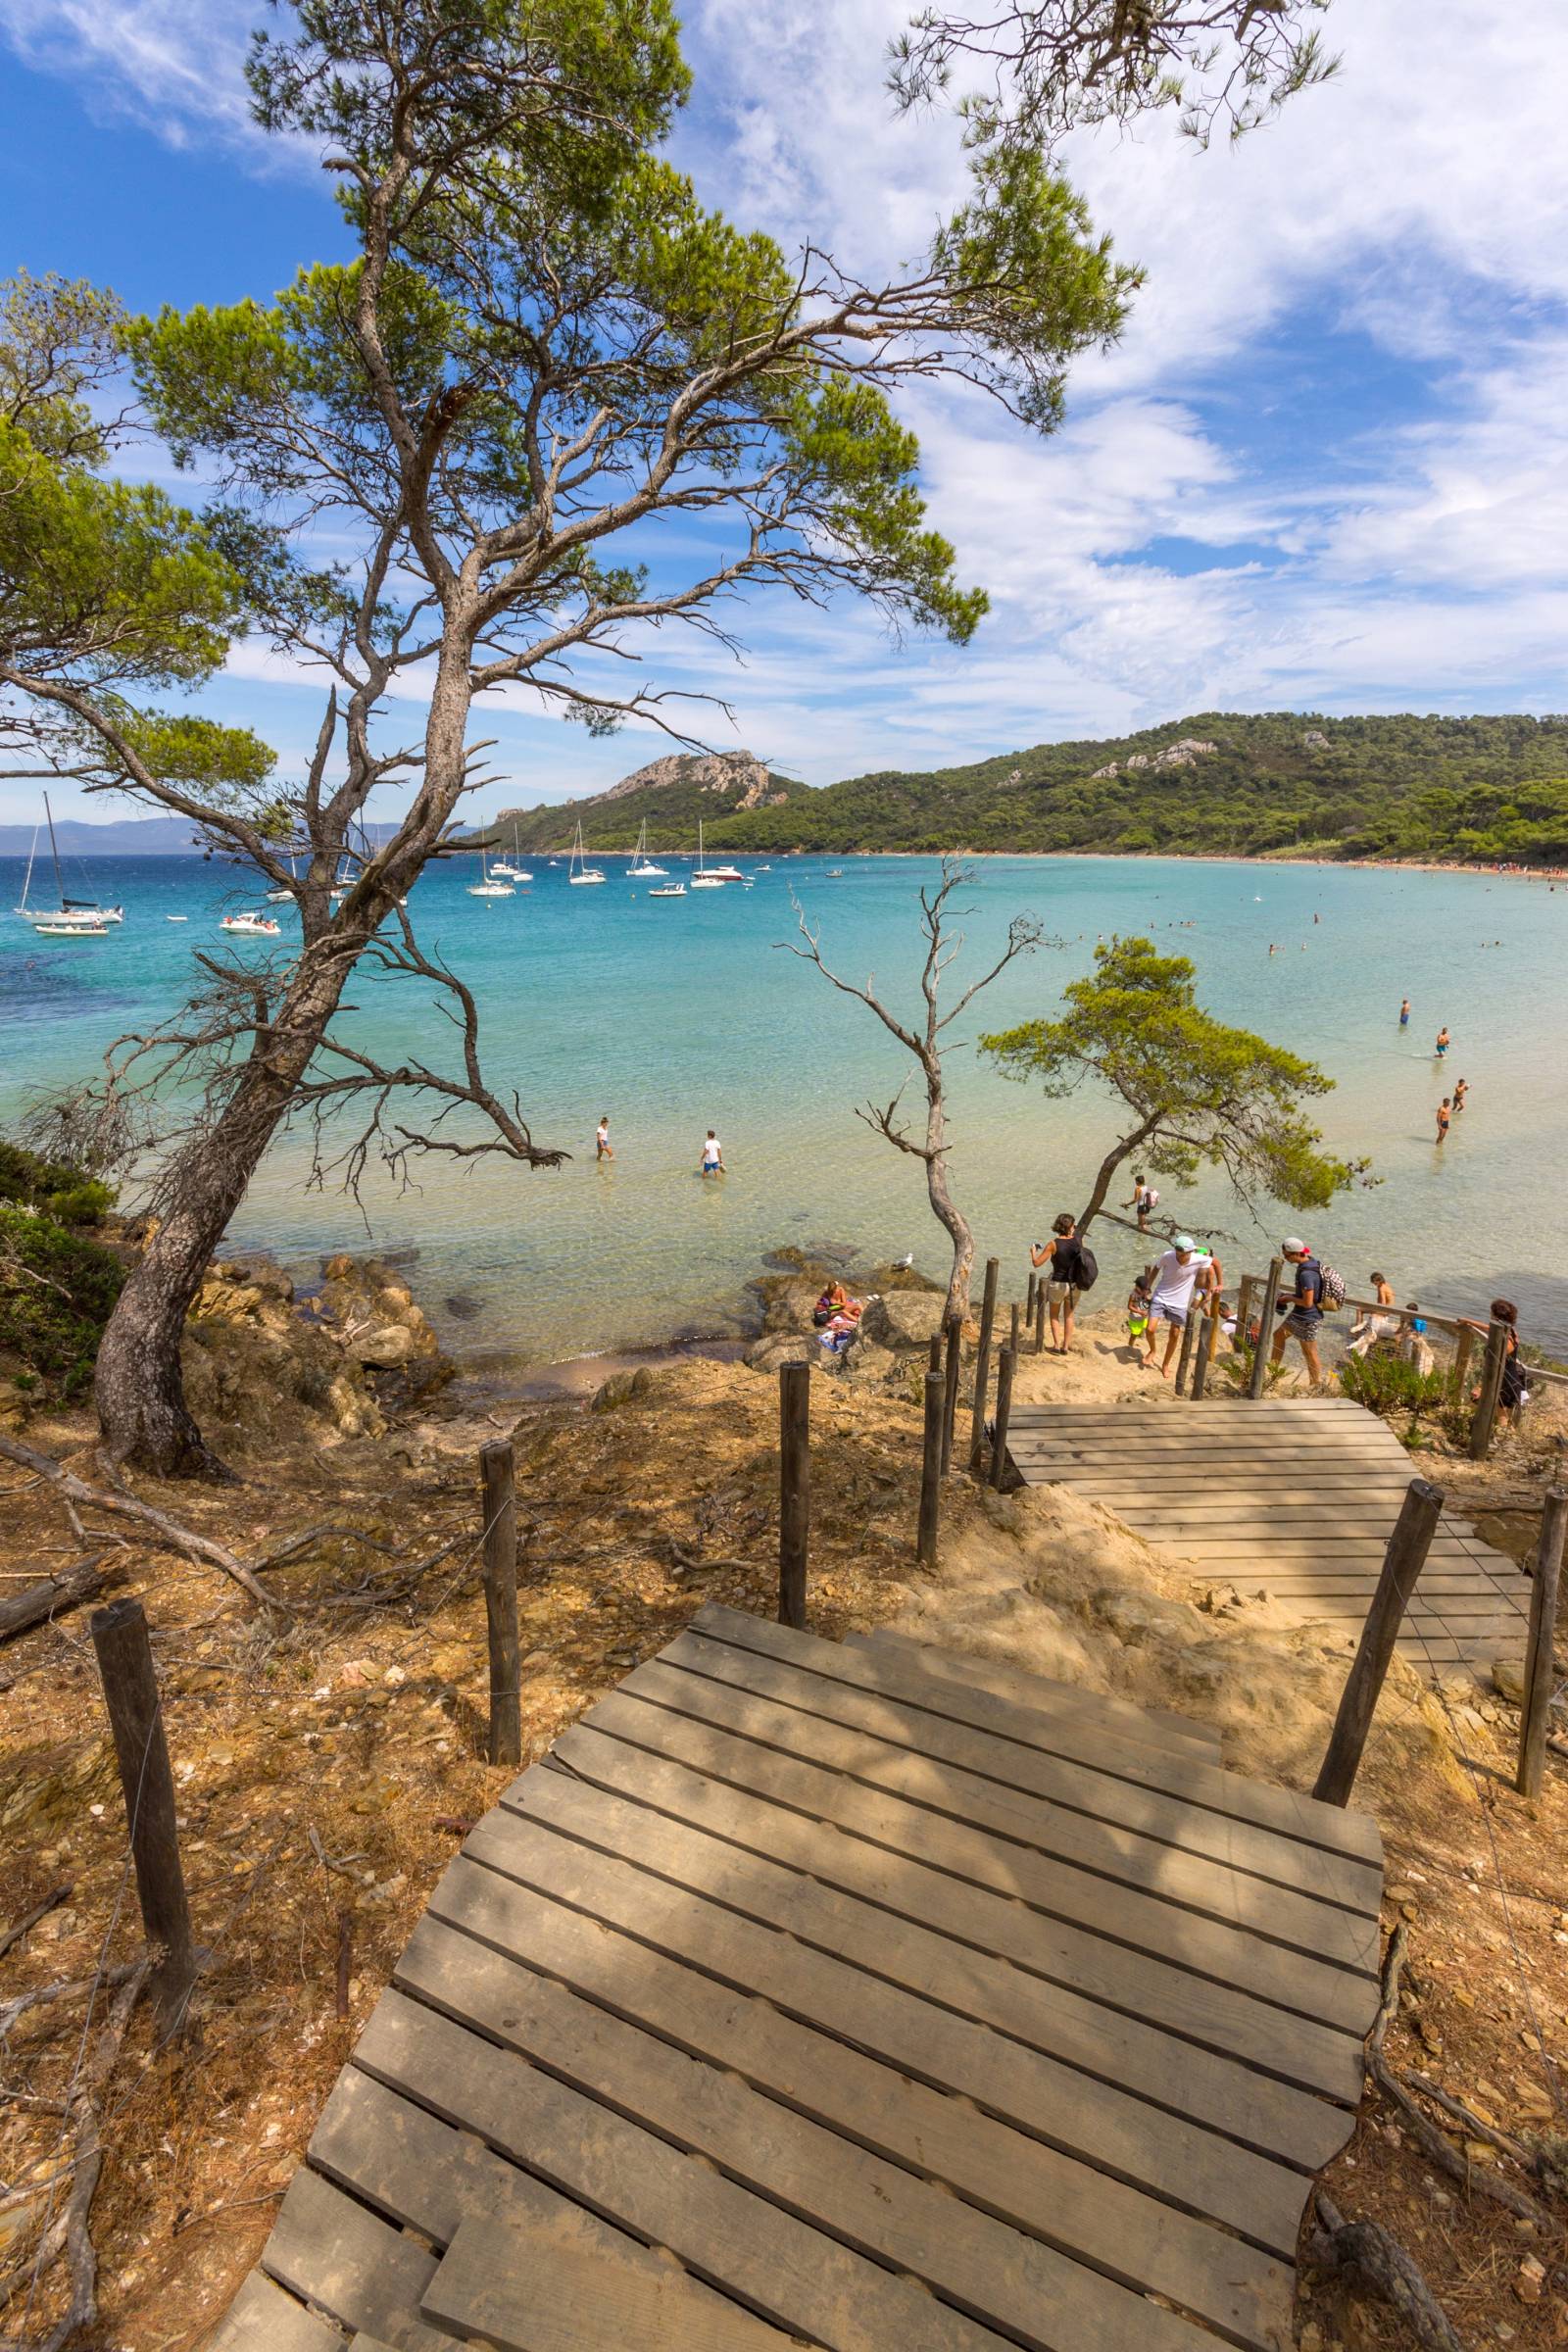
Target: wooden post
x,y
1040,1318
1189,1334
999,1450
497,1486
136,1718
1243,1309
1012,1341
1461,1362
1536,1721
1402,1565
934,1364
1207,1333
949,1401
1265,1329
793,1491
1486,1412
982,1363
1029,1300
931,1470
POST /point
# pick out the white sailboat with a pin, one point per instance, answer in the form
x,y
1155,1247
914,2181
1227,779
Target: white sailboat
x,y
487,887
642,867
72,914
510,869
705,877
579,868
282,898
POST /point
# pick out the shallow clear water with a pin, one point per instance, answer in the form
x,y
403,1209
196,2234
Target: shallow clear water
x,y
675,1016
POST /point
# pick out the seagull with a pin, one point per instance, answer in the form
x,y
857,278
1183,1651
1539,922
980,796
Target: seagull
x,y
903,1264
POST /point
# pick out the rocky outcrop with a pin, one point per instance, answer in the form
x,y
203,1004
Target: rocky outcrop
x,y
728,772
1186,752
904,1318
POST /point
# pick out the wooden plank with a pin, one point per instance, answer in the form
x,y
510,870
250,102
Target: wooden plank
x,y
327,2249
849,2111
1097,1749
815,2275
1131,1952
524,2293
1266,1877
1148,1726
263,2319
1125,2031
1149,1911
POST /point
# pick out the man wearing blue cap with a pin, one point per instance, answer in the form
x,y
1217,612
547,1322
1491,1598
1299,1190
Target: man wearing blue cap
x,y
1183,1269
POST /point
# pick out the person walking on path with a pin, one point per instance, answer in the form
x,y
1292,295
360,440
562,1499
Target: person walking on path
x,y
1304,1308
1143,1202
1177,1275
1459,1093
1404,1013
712,1156
1442,1120
1062,1283
1443,1040
601,1149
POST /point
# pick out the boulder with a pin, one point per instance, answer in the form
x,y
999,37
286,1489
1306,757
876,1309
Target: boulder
x,y
621,1387
776,1348
903,1318
384,1344
788,1308
868,1364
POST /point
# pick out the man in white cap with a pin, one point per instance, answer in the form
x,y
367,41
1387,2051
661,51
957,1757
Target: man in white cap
x,y
1181,1271
1303,1308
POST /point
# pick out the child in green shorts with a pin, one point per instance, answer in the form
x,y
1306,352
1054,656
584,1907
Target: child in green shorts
x,y
1137,1310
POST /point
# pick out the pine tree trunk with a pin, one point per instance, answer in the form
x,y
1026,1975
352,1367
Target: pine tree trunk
x,y
138,1385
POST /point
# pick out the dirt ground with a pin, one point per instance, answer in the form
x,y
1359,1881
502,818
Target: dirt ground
x,y
329,1761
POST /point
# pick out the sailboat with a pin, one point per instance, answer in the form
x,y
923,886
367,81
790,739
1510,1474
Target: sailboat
x,y
512,871
73,915
641,868
580,869
710,877
282,898
487,887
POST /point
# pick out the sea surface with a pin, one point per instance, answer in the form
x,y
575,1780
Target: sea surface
x,y
676,1015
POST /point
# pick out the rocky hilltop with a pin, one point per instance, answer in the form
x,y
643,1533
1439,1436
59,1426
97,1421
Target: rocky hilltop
x,y
670,795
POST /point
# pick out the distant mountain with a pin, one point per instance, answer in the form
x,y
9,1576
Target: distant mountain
x,y
133,837
671,794
1281,782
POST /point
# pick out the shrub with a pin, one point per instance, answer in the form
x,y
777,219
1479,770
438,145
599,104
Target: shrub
x,y
57,1292
1387,1385
67,1194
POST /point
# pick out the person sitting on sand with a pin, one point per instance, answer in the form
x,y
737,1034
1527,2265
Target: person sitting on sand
x,y
1370,1326
833,1299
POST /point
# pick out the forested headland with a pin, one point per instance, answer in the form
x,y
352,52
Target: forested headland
x,y
1471,791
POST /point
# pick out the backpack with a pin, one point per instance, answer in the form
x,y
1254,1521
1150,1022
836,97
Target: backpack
x,y
1089,1269
1331,1294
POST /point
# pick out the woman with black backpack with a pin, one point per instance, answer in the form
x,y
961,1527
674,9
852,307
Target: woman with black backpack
x,y
1072,1270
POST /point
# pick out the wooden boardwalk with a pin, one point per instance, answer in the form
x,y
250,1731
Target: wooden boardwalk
x,y
1293,1495
847,1995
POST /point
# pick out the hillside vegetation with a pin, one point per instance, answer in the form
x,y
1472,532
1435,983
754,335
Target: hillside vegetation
x,y
1471,790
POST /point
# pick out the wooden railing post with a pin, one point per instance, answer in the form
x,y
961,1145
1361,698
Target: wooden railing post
x,y
1189,1333
931,1470
498,1489
125,1656
1536,1721
1040,1295
793,1491
1203,1356
999,1448
982,1363
1265,1329
934,1352
950,1395
1461,1362
1402,1565
1012,1339
1486,1413
1029,1301
1244,1308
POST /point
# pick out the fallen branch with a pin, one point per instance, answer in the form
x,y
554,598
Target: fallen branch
x,y
69,2233
74,1490
1467,2116
343,1862
41,1910
1367,2247
39,1604
67,1989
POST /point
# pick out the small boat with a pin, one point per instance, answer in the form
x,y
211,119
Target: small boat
x,y
250,926
669,890
642,868
487,887
580,869
835,873
53,927
176,918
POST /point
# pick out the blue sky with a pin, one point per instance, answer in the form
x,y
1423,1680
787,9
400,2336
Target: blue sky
x,y
1327,467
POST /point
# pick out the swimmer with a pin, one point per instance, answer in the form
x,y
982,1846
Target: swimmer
x,y
1442,1120
1443,1042
1459,1094
1404,1013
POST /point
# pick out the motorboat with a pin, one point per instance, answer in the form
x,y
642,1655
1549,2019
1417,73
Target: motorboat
x,y
53,927
580,869
250,926
509,869
669,890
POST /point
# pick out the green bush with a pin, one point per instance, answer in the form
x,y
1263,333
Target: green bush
x,y
57,1292
65,1193
1387,1385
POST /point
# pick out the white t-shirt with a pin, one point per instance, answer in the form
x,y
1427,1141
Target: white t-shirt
x,y
1174,1282
601,1132
712,1150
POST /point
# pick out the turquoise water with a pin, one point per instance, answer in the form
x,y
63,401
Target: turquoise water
x,y
675,1016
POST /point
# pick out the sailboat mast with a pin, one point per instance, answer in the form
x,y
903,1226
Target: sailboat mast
x,y
54,852
27,879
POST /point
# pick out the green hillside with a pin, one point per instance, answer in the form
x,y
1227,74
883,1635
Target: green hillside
x,y
1462,789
